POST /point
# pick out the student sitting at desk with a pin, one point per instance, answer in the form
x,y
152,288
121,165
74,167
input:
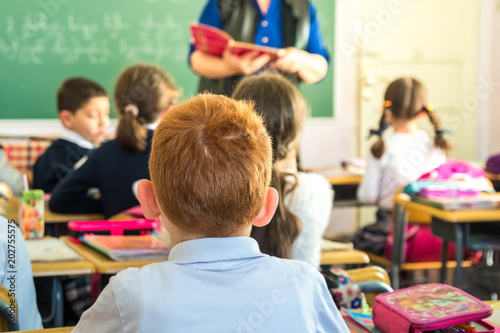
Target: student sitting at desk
x,y
21,282
143,93
306,199
84,113
211,165
399,158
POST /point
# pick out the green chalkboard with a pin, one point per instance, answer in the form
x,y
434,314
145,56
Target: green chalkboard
x,y
43,42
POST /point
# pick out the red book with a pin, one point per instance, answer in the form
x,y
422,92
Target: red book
x,y
213,41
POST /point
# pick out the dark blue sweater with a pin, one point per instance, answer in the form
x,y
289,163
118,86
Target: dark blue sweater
x,y
110,168
57,161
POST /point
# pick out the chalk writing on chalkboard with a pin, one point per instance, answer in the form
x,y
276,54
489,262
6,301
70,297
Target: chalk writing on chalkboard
x,y
37,36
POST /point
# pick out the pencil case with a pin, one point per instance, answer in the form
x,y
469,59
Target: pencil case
x,y
78,229
429,307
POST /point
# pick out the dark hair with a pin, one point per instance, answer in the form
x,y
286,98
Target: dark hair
x,y
406,98
148,90
283,108
76,92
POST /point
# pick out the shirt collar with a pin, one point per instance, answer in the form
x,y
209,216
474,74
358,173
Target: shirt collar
x,y
76,138
151,126
215,249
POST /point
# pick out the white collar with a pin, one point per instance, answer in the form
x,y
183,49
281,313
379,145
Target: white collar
x,y
151,126
76,138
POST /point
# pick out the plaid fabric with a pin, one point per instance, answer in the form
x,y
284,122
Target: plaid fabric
x,y
23,153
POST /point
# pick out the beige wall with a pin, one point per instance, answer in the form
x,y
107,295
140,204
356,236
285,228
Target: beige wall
x,y
490,71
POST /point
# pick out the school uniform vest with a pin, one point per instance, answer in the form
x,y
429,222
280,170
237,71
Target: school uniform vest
x,y
239,19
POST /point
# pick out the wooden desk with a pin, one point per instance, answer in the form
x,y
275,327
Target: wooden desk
x,y
102,263
344,183
52,330
62,268
452,226
344,257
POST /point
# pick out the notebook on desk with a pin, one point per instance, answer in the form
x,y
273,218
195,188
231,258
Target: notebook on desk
x,y
483,201
126,248
50,249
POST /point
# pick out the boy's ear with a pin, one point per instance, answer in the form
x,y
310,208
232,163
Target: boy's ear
x,y
268,209
147,199
66,118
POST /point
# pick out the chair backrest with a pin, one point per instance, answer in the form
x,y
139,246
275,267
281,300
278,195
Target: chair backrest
x,y
5,192
8,311
372,280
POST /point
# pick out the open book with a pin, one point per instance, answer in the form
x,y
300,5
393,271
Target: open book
x,y
125,248
212,40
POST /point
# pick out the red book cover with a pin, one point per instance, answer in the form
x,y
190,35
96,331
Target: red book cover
x,y
213,41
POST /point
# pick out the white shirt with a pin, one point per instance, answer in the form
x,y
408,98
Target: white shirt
x,y
407,156
312,202
216,285
76,138
22,278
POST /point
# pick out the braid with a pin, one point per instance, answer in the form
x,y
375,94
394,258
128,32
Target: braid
x,y
378,147
439,140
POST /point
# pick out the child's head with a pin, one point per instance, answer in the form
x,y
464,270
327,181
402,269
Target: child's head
x,y
283,108
210,168
281,105
142,93
406,99
84,108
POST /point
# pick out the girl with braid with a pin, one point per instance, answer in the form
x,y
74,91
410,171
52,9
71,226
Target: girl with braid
x,y
399,158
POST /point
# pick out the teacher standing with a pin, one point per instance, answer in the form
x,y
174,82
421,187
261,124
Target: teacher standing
x,y
288,24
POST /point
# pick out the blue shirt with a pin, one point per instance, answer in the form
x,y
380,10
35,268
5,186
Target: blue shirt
x,y
269,26
216,285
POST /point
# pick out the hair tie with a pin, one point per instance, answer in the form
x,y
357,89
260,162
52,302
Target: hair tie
x,y
387,104
380,131
374,132
132,108
428,108
440,133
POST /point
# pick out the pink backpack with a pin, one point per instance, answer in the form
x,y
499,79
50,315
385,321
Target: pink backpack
x,y
454,169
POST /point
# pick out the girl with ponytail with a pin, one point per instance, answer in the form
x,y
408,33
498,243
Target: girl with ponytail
x,y
143,93
399,158
305,198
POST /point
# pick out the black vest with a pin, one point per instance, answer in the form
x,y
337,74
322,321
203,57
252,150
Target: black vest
x,y
239,19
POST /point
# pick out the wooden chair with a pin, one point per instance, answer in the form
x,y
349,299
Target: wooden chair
x,y
372,280
9,204
5,192
8,319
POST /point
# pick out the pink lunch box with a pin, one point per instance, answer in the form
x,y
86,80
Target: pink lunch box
x,y
78,229
429,307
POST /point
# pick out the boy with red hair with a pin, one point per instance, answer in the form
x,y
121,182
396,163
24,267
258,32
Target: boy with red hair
x,y
210,167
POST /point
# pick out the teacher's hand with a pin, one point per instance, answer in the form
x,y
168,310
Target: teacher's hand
x,y
246,64
290,60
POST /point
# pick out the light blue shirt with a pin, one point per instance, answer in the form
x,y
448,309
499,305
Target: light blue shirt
x,y
18,278
216,285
